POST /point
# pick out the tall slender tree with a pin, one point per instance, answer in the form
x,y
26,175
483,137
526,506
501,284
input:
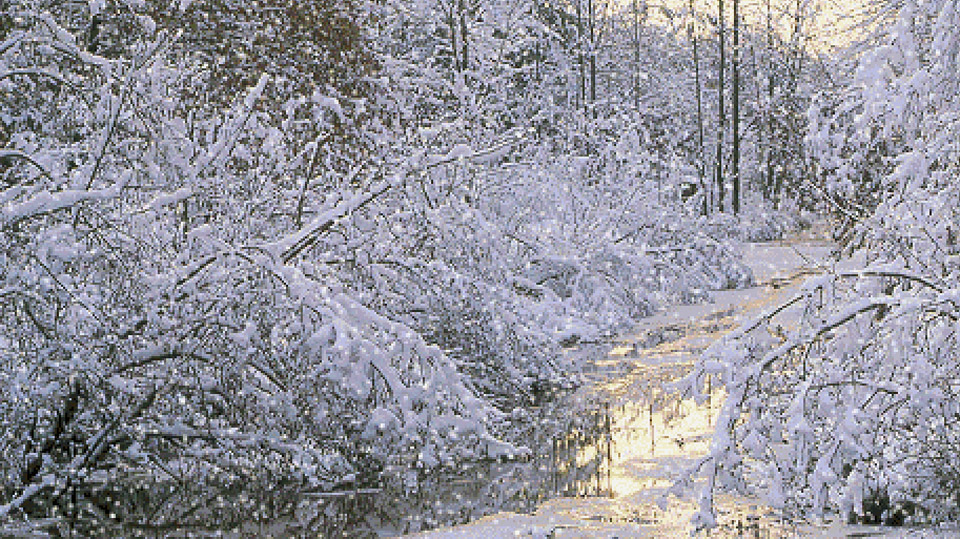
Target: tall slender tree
x,y
581,64
464,41
636,55
592,22
722,118
769,103
735,158
696,81
452,25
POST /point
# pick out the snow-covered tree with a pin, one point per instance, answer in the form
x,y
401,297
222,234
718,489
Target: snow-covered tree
x,y
854,410
249,250
162,332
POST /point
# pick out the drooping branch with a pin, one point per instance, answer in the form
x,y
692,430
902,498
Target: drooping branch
x,y
17,154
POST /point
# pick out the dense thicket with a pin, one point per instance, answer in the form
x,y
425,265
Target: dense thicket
x,y
855,411
254,250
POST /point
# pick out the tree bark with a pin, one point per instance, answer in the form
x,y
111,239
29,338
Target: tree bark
x,y
735,163
464,43
636,55
452,24
769,105
696,81
722,119
582,83
591,19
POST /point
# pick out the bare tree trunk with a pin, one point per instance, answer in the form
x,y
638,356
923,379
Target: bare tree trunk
x,y
452,24
591,14
582,83
696,80
760,117
537,53
798,36
464,42
736,107
768,109
722,119
538,60
636,55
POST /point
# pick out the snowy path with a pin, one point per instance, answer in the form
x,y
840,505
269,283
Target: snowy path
x,y
655,435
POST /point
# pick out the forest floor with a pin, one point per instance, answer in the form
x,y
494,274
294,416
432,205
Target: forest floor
x,y
655,435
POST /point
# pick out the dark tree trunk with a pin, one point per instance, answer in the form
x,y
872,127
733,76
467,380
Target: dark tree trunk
x,y
735,163
696,81
464,42
636,55
722,118
582,82
591,19
768,109
452,24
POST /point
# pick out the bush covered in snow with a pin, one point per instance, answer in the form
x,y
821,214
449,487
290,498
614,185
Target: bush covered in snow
x,y
301,281
854,411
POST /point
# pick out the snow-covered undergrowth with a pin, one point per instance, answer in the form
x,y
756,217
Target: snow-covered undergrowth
x,y
161,321
281,291
771,225
853,411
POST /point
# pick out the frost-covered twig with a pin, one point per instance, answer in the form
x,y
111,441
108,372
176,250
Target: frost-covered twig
x,y
919,279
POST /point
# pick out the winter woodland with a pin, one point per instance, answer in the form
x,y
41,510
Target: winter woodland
x,y
257,253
